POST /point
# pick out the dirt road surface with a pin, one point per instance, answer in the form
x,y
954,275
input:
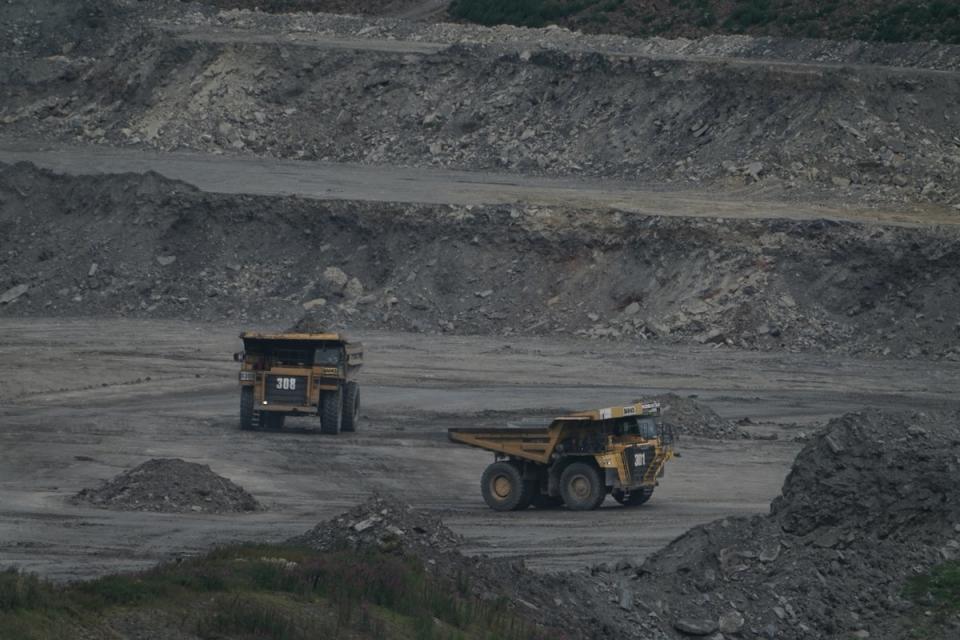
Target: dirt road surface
x,y
273,177
83,399
327,41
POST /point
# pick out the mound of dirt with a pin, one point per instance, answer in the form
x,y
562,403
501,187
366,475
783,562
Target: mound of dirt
x,y
169,485
385,523
564,606
688,417
871,501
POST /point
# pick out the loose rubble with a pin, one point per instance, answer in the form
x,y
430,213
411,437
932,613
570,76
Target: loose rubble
x,y
870,502
165,249
384,523
563,604
169,485
533,101
689,417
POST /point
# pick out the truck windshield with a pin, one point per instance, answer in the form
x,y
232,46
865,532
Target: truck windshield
x,y
327,356
644,427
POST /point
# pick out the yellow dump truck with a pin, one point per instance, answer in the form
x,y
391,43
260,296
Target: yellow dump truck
x,y
576,460
285,374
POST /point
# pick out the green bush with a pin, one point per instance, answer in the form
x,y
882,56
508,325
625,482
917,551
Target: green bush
x,y
940,588
249,617
19,591
277,593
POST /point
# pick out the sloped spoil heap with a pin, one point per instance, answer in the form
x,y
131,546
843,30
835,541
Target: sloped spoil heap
x,y
871,501
688,417
169,485
564,606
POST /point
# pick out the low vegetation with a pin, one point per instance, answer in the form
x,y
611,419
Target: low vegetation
x,y
276,593
937,596
874,20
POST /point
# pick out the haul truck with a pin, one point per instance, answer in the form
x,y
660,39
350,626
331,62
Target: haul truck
x,y
576,460
285,374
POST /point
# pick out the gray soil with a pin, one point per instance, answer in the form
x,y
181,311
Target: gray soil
x,y
762,233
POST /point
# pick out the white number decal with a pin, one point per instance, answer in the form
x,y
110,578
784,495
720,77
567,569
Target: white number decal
x,y
639,459
287,384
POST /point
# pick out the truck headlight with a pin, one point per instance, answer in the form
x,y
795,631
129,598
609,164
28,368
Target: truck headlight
x,y
247,376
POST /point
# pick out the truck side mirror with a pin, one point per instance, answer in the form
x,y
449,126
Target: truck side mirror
x,y
238,356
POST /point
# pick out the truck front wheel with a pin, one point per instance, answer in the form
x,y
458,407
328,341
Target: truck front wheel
x,y
503,487
635,498
331,411
246,408
582,487
351,407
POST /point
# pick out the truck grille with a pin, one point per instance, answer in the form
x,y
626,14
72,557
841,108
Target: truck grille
x,y
639,459
286,389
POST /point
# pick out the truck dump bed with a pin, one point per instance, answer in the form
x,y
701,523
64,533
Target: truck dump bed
x,y
530,443
538,444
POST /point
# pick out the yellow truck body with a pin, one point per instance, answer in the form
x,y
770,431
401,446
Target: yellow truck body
x,y
576,460
285,374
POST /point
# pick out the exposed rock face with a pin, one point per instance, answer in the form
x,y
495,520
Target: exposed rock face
x,y
869,502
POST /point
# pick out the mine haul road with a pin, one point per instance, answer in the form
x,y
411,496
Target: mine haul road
x,y
83,399
244,174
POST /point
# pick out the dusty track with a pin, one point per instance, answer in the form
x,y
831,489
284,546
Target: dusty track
x,y
325,41
266,176
77,407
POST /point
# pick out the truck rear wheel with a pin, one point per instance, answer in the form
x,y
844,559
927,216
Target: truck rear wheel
x,y
331,411
504,488
582,487
636,497
246,408
351,407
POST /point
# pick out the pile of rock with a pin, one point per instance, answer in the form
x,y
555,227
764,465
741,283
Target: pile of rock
x,y
169,485
870,502
566,606
688,417
383,523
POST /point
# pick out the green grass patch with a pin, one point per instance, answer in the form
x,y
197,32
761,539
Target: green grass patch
x,y
939,589
272,592
937,594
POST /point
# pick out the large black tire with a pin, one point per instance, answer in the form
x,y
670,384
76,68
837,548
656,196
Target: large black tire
x,y
247,416
351,407
636,497
331,411
582,487
503,487
543,501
